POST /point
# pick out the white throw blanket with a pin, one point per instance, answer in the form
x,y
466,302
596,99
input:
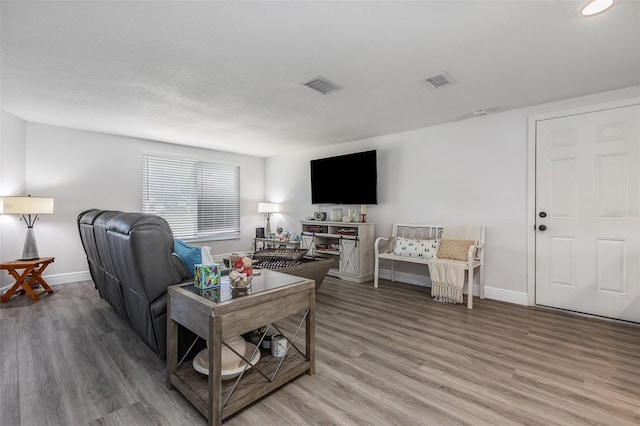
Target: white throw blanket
x,y
447,281
447,278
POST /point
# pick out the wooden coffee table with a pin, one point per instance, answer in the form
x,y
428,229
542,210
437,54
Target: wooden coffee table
x,y
219,314
32,275
314,269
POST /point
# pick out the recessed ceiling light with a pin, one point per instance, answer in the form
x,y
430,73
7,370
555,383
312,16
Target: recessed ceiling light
x,y
595,6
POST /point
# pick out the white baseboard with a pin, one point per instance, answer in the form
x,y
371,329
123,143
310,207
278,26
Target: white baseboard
x,y
509,296
502,295
70,277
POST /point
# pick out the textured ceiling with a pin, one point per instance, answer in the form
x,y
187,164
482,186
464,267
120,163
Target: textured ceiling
x,y
227,75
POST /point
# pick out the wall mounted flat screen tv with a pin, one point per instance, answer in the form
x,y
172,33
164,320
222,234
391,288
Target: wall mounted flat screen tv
x,y
345,179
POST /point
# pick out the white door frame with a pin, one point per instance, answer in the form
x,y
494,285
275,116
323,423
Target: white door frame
x,y
531,180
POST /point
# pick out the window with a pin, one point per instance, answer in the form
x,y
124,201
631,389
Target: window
x,y
199,200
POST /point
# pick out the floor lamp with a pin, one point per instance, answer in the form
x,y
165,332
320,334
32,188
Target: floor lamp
x,y
29,208
268,209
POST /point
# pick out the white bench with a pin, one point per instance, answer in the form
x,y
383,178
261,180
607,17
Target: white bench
x,y
474,260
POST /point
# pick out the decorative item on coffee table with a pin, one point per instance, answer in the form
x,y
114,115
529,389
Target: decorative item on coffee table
x,y
241,271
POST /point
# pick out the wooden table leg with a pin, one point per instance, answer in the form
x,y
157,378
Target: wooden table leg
x,y
215,371
37,277
311,334
19,282
26,284
172,346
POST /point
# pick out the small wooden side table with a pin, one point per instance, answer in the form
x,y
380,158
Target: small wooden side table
x,y
220,315
32,274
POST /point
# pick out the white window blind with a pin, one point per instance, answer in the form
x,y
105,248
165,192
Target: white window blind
x,y
199,200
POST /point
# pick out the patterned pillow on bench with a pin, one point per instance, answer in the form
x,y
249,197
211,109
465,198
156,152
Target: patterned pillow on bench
x,y
409,247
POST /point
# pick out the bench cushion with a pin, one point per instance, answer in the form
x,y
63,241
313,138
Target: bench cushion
x,y
454,249
410,247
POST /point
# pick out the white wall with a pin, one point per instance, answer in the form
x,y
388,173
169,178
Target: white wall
x,y
84,170
468,172
12,182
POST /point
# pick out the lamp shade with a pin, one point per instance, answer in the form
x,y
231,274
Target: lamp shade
x,y
26,205
268,208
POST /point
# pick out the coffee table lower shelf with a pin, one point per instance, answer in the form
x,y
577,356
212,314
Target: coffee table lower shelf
x,y
252,386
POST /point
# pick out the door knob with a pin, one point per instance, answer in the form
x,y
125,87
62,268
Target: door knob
x,y
542,227
542,214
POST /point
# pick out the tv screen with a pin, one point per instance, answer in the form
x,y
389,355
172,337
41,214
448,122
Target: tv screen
x,y
345,179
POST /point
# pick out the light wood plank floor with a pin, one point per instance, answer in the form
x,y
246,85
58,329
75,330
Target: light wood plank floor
x,y
385,356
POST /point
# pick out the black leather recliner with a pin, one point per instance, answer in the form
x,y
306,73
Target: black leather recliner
x,y
132,263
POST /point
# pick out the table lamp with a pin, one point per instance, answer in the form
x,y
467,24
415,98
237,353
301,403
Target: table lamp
x,y
268,209
29,208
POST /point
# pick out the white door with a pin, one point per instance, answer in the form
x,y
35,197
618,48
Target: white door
x,y
588,213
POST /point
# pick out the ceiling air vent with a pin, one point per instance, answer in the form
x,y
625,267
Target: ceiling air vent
x,y
439,81
322,85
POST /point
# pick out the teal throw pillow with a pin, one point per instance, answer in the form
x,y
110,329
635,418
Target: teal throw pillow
x,y
190,255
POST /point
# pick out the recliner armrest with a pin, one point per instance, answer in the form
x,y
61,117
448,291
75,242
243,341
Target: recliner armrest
x,y
180,267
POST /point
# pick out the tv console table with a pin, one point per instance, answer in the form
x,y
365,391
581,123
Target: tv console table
x,y
349,244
